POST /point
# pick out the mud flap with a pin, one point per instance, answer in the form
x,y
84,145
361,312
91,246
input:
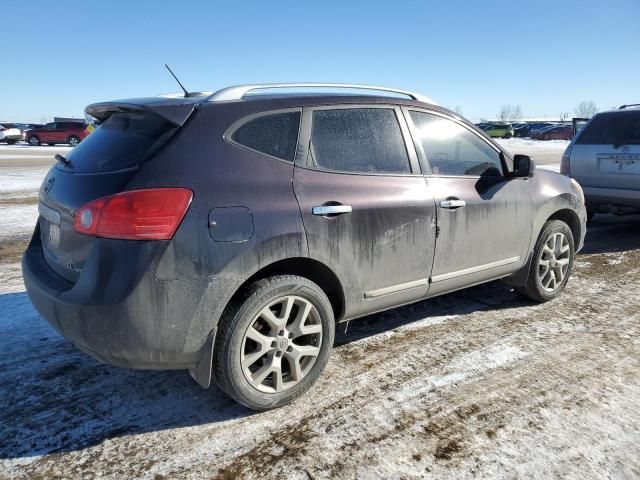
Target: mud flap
x,y
201,373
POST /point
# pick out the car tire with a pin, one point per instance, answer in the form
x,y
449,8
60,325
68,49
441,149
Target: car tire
x,y
508,136
33,141
11,142
551,262
264,358
73,141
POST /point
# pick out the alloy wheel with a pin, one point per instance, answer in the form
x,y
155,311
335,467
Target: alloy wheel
x,y
553,264
281,344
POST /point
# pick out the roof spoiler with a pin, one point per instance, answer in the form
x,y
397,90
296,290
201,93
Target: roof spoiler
x,y
175,111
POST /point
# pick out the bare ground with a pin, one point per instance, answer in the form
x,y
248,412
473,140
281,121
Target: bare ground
x,y
476,384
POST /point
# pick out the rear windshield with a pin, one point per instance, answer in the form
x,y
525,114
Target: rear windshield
x,y
122,141
614,128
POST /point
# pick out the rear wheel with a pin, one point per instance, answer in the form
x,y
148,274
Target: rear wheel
x,y
34,141
508,135
73,141
274,342
552,262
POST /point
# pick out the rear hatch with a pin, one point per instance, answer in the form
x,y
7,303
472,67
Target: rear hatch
x,y
606,153
101,165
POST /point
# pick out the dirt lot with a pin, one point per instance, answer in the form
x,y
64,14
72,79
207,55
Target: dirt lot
x,y
476,384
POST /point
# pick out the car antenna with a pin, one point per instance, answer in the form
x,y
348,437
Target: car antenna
x,y
186,93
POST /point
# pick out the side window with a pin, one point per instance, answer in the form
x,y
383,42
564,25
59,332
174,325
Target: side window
x,y
451,149
274,134
363,140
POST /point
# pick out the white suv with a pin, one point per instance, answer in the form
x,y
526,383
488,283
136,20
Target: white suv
x,y
605,159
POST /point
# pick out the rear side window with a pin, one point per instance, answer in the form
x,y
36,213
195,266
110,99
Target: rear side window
x,y
451,149
274,134
363,140
614,128
122,141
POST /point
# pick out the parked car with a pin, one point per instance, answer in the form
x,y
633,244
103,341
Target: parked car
x,y
528,129
71,133
557,132
499,130
9,134
604,158
177,237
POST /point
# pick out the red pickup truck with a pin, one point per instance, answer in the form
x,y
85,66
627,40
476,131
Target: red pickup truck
x,y
58,132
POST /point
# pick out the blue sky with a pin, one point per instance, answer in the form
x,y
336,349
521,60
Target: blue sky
x,y
545,55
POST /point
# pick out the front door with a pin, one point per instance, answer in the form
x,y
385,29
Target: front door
x,y
367,211
484,219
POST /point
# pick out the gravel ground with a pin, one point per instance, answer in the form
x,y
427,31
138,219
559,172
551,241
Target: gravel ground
x,y
477,384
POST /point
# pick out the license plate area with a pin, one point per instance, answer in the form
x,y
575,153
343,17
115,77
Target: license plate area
x,y
620,164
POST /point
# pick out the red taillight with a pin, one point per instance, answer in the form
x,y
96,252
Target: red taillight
x,y
150,214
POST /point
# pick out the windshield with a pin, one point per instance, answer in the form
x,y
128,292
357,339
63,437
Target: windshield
x,y
122,141
612,128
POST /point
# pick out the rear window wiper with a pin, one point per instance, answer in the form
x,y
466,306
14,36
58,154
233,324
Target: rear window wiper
x,y
60,159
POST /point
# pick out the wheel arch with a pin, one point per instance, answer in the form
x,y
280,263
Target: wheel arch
x,y
308,268
571,218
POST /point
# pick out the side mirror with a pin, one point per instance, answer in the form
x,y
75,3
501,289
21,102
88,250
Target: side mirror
x,y
523,166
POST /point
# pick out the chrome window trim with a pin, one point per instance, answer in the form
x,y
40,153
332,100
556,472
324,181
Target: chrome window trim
x,y
227,135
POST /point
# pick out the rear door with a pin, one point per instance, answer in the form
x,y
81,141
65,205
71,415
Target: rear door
x,y
48,135
366,209
606,153
484,219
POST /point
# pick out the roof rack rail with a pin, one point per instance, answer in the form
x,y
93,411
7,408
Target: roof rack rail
x,y
237,92
622,107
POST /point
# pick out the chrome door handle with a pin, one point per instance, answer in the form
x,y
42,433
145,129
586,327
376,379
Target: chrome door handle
x,y
452,203
331,209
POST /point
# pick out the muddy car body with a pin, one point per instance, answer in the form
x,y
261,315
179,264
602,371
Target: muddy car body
x,y
303,210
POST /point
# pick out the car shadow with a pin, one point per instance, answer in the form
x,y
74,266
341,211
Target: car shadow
x,y
54,398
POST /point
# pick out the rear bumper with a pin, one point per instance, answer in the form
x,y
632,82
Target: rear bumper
x,y
595,196
139,323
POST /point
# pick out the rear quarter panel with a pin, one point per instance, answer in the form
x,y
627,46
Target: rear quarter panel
x,y
223,175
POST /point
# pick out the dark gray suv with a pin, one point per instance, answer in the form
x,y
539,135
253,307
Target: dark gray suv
x,y
227,233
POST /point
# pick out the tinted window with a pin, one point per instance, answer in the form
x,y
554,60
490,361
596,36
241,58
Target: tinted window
x,y
365,140
121,141
274,134
616,128
451,149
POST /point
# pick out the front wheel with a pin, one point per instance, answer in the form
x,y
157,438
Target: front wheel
x,y
552,262
34,141
73,141
508,136
274,342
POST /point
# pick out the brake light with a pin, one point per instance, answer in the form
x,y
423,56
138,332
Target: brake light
x,y
150,214
565,163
